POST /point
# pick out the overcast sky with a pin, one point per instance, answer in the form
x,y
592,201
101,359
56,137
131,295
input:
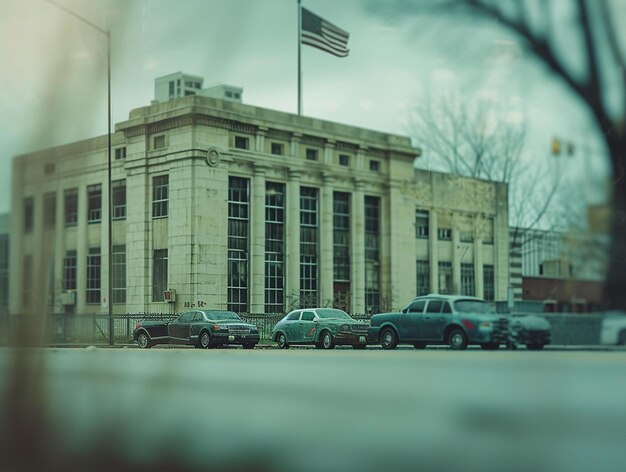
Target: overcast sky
x,y
53,71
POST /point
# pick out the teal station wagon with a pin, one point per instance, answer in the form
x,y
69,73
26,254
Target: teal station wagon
x,y
322,327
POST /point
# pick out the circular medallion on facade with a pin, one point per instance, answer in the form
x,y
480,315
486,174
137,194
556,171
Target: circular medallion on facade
x,y
213,157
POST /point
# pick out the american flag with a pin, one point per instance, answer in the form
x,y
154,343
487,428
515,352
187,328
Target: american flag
x,y
323,35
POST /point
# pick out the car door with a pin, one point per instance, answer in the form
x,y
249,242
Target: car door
x,y
178,329
307,326
409,323
434,320
291,326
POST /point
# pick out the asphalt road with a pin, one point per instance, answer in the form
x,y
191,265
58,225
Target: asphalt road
x,y
309,410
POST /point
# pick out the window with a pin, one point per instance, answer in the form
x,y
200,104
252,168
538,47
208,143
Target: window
x,y
27,279
158,142
71,206
49,168
238,230
488,283
49,210
278,149
171,89
445,277
423,278
29,214
196,85
118,191
241,142
274,247
372,254
237,95
159,274
229,94
467,236
374,166
309,249
344,160
120,153
444,234
93,275
434,306
421,224
118,262
467,280
307,316
160,196
341,237
311,154
94,203
69,270
416,307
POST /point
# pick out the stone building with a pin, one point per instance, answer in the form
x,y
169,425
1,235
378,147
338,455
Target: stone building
x,y
225,205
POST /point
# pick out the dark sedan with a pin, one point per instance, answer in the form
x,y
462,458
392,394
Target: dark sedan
x,y
532,330
200,328
322,327
441,319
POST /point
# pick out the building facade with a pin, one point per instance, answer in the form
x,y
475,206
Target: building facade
x,y
4,264
224,205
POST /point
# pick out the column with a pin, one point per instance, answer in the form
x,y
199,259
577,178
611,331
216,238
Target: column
x,y
59,250
329,152
292,235
478,266
260,140
457,254
295,144
433,251
81,251
357,254
326,241
256,282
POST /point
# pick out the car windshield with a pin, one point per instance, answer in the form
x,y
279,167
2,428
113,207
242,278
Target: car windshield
x,y
222,315
330,313
473,306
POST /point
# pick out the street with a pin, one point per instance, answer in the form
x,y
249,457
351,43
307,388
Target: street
x,y
310,410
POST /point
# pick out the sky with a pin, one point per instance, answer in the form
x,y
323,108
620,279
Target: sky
x,y
54,70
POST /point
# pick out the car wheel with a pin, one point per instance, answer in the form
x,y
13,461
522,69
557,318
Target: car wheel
x,y
282,341
457,340
205,340
388,338
143,341
534,347
419,345
490,346
248,345
359,346
326,340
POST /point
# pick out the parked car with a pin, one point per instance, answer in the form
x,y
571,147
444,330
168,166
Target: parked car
x,y
323,327
532,330
441,319
613,329
200,328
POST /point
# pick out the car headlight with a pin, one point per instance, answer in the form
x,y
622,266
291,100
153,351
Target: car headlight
x,y
345,327
485,324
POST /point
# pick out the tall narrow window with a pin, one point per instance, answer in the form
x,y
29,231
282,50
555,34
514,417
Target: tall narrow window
x,y
29,214
159,274
423,278
120,153
467,280
341,250
69,271
421,224
70,197
160,195
372,254
119,273
94,203
93,275
274,247
445,278
489,283
118,190
238,242
309,247
49,210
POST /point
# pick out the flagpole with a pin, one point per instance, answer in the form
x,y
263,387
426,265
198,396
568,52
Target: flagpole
x,y
299,58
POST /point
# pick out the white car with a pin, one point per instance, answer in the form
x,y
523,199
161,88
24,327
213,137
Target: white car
x,y
613,329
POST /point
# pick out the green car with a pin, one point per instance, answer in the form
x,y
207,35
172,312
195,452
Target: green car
x,y
323,327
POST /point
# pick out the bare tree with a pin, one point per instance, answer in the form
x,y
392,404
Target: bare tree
x,y
600,87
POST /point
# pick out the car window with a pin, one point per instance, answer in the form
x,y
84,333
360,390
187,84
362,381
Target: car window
x,y
293,316
473,306
446,308
185,317
198,316
416,307
308,316
434,306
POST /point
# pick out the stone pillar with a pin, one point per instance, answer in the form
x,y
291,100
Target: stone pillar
x,y
59,250
256,282
295,144
82,251
329,151
260,140
478,267
326,276
457,254
292,236
357,253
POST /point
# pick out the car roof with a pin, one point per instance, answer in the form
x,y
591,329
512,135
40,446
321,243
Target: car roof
x,y
450,298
